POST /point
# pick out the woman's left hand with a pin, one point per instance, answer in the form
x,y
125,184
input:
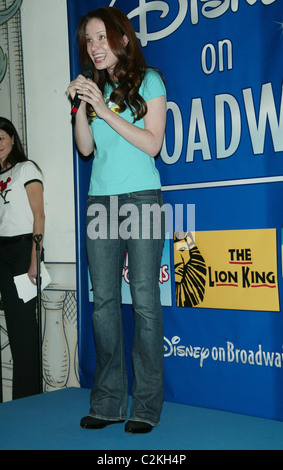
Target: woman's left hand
x,y
91,94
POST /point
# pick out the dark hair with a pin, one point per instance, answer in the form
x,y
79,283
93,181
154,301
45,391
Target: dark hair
x,y
131,66
17,153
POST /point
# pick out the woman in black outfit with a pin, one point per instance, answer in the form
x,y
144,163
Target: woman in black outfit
x,y
21,217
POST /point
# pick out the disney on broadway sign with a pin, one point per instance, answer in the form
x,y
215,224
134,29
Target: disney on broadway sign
x,y
224,354
205,125
194,8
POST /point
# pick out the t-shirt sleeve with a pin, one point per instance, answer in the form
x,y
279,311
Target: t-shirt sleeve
x,y
152,86
30,174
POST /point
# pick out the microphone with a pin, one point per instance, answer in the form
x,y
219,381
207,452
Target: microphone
x,y
87,73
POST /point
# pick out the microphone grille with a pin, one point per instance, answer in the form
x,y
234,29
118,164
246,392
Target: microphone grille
x,y
87,71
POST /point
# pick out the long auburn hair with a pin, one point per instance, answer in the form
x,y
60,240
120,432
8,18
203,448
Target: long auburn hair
x,y
131,65
17,153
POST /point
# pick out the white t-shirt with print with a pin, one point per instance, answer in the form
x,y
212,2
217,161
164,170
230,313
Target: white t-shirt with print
x,y
16,217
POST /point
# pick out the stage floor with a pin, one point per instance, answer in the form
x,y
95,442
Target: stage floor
x,y
51,422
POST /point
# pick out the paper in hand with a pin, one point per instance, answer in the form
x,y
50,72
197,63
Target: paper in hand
x,y
27,290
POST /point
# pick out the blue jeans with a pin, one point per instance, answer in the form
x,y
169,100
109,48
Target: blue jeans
x,y
127,229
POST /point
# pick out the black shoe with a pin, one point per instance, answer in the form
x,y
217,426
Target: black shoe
x,y
137,427
89,422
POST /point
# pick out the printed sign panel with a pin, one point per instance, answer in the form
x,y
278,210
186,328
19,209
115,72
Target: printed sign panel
x,y
222,153
164,280
227,269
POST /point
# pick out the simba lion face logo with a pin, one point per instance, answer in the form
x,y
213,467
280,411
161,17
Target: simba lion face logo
x,y
190,271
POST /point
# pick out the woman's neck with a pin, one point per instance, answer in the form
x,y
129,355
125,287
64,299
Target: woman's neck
x,y
5,167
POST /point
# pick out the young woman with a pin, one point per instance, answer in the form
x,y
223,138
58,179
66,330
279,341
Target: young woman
x,y
122,116
21,217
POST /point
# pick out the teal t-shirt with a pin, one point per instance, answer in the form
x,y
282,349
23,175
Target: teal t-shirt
x,y
119,167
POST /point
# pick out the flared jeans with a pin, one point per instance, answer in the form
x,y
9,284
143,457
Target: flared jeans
x,y
132,223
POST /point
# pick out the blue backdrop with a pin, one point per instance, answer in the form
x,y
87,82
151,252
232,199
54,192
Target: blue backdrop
x,y
222,62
